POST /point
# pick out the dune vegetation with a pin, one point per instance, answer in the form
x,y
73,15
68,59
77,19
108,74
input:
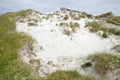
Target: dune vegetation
x,y
10,42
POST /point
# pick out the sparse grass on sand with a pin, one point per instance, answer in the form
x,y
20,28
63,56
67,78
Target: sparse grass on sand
x,y
96,26
105,62
114,20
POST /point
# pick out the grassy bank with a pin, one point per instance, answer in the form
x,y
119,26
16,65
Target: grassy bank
x,y
68,75
10,42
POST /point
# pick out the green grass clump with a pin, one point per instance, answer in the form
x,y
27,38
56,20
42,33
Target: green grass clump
x,y
77,16
114,20
98,26
68,75
105,62
67,26
66,17
63,24
67,32
94,26
104,35
74,26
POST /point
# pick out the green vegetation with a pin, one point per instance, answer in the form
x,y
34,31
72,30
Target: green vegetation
x,y
68,75
104,35
105,62
114,20
17,70
22,21
69,28
16,15
98,26
66,17
94,26
32,19
63,24
10,42
77,16
32,24
74,26
67,32
35,61
12,69
86,65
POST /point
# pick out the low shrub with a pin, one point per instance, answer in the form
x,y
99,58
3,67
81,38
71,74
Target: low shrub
x,y
104,35
86,65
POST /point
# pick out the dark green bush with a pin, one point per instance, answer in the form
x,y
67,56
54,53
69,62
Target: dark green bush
x,y
104,35
86,65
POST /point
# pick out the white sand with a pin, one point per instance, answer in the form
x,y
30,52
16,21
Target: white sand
x,y
60,51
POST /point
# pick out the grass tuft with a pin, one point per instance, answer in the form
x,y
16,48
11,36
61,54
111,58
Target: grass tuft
x,y
98,26
69,28
105,62
115,20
